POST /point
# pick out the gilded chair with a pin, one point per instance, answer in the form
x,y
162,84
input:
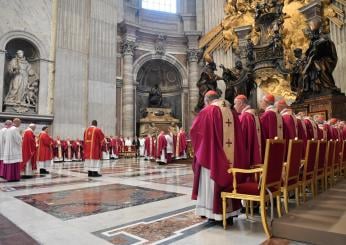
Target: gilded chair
x,y
337,159
268,186
291,171
343,159
308,174
320,166
328,170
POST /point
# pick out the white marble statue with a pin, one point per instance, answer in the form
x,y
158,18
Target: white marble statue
x,y
23,77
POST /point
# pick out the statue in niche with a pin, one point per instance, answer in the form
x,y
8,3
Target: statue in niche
x,y
23,87
320,61
207,81
250,51
238,80
155,96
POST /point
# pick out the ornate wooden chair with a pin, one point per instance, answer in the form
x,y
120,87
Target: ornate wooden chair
x,y
337,159
343,159
269,184
291,171
309,164
320,166
328,170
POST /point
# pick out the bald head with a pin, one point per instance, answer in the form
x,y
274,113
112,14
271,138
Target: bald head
x,y
240,102
209,97
16,122
8,123
32,126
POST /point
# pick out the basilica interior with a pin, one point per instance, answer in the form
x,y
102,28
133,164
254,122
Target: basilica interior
x,y
144,68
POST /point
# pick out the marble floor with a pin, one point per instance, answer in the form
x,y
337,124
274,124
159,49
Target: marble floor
x,y
134,202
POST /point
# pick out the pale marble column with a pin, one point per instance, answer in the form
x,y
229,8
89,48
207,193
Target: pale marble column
x,y
193,56
128,96
2,72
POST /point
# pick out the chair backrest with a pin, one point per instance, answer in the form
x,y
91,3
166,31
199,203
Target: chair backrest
x,y
273,163
322,150
295,149
310,159
344,152
330,153
338,149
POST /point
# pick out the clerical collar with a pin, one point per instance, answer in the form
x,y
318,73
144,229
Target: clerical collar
x,y
286,111
271,108
246,108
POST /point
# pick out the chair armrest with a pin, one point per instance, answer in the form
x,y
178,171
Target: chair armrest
x,y
244,171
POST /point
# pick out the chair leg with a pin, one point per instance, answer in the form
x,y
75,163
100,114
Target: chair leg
x,y
286,201
251,208
264,218
224,205
313,190
304,192
278,205
297,196
247,209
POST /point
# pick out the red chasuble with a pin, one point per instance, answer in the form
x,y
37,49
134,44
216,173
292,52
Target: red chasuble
x,y
302,133
161,144
93,139
290,124
344,132
28,149
45,143
181,144
114,145
207,137
271,125
251,129
147,145
312,130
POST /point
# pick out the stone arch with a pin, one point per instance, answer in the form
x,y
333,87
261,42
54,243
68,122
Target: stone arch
x,y
169,58
26,36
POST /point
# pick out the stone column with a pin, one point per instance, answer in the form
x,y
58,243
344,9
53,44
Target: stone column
x,y
128,96
193,56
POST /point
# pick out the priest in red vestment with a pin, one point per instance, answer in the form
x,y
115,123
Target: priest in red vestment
x,y
28,166
147,147
312,130
44,151
153,148
251,129
58,151
181,145
302,130
93,139
68,150
77,148
114,147
161,148
271,120
325,130
335,133
217,141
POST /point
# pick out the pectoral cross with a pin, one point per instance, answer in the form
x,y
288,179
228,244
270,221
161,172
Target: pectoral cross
x,y
229,122
229,143
224,104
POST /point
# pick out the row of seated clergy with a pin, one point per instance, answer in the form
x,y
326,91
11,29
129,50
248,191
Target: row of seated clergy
x,y
324,162
221,140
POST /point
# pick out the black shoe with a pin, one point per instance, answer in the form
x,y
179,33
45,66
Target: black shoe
x,y
96,174
90,173
230,221
26,176
42,171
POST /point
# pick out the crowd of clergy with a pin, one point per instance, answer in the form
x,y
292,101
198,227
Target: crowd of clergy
x,y
23,154
224,138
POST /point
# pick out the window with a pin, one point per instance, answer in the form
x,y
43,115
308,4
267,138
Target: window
x,y
169,6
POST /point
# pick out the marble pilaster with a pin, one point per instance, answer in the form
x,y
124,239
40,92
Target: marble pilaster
x,y
128,95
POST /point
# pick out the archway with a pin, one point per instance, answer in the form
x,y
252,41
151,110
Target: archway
x,y
160,72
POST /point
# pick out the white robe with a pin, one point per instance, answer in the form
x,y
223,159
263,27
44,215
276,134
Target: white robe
x,y
13,146
169,140
205,199
2,143
141,147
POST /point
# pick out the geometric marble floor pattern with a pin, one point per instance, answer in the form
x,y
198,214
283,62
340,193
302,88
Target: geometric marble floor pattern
x,y
134,202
